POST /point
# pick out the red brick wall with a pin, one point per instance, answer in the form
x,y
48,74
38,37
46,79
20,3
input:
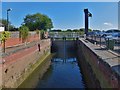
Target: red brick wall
x,y
13,41
16,41
33,38
19,63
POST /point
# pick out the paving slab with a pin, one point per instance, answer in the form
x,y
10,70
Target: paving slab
x,y
109,57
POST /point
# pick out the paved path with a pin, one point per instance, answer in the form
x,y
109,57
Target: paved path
x,y
103,43
110,57
7,50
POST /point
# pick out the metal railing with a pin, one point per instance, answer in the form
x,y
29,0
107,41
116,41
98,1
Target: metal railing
x,y
68,35
105,43
95,39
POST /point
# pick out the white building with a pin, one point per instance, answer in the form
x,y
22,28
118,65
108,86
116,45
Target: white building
x,y
2,29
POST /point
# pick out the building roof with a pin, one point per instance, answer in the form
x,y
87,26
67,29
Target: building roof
x,y
1,25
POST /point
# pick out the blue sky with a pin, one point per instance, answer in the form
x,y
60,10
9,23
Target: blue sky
x,y
66,15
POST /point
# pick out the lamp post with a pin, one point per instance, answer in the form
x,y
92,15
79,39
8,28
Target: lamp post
x,y
87,14
8,18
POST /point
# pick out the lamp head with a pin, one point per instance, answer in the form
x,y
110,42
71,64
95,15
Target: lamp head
x,y
90,15
9,9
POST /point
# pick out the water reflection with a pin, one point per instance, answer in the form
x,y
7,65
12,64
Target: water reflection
x,y
62,74
69,60
65,72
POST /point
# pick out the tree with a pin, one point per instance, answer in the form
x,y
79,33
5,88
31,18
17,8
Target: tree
x,y
75,30
3,37
69,30
38,21
5,23
89,30
83,29
23,33
56,30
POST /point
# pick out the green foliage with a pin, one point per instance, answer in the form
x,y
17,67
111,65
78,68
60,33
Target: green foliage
x,y
37,31
89,30
4,23
82,29
4,36
23,32
76,30
58,30
42,34
38,21
69,30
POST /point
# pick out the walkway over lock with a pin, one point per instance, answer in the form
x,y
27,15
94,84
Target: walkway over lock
x,y
68,35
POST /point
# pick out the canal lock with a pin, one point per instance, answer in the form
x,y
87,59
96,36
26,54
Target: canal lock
x,y
65,69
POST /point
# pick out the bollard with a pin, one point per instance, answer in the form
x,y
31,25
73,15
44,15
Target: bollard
x,y
100,41
39,47
95,42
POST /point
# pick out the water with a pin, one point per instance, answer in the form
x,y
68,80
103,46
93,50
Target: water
x,y
64,71
61,71
62,74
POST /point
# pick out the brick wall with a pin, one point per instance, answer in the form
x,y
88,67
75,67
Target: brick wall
x,y
15,40
18,65
102,71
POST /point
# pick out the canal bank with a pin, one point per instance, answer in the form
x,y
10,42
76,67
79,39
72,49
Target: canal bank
x,y
102,66
77,64
37,73
20,64
62,69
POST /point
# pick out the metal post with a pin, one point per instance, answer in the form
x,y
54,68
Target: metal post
x,y
108,44
87,14
7,21
4,43
8,18
100,41
86,20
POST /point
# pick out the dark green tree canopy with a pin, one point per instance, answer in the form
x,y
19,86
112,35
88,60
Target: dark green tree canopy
x,y
38,21
4,23
83,29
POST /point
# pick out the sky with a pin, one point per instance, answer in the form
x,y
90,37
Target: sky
x,y
66,15
60,0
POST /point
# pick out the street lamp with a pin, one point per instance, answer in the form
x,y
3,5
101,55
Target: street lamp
x,y
8,18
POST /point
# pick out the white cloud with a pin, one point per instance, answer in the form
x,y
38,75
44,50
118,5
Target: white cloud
x,y
108,24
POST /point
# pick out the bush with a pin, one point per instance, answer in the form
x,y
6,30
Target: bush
x,y
42,34
4,36
37,31
23,33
